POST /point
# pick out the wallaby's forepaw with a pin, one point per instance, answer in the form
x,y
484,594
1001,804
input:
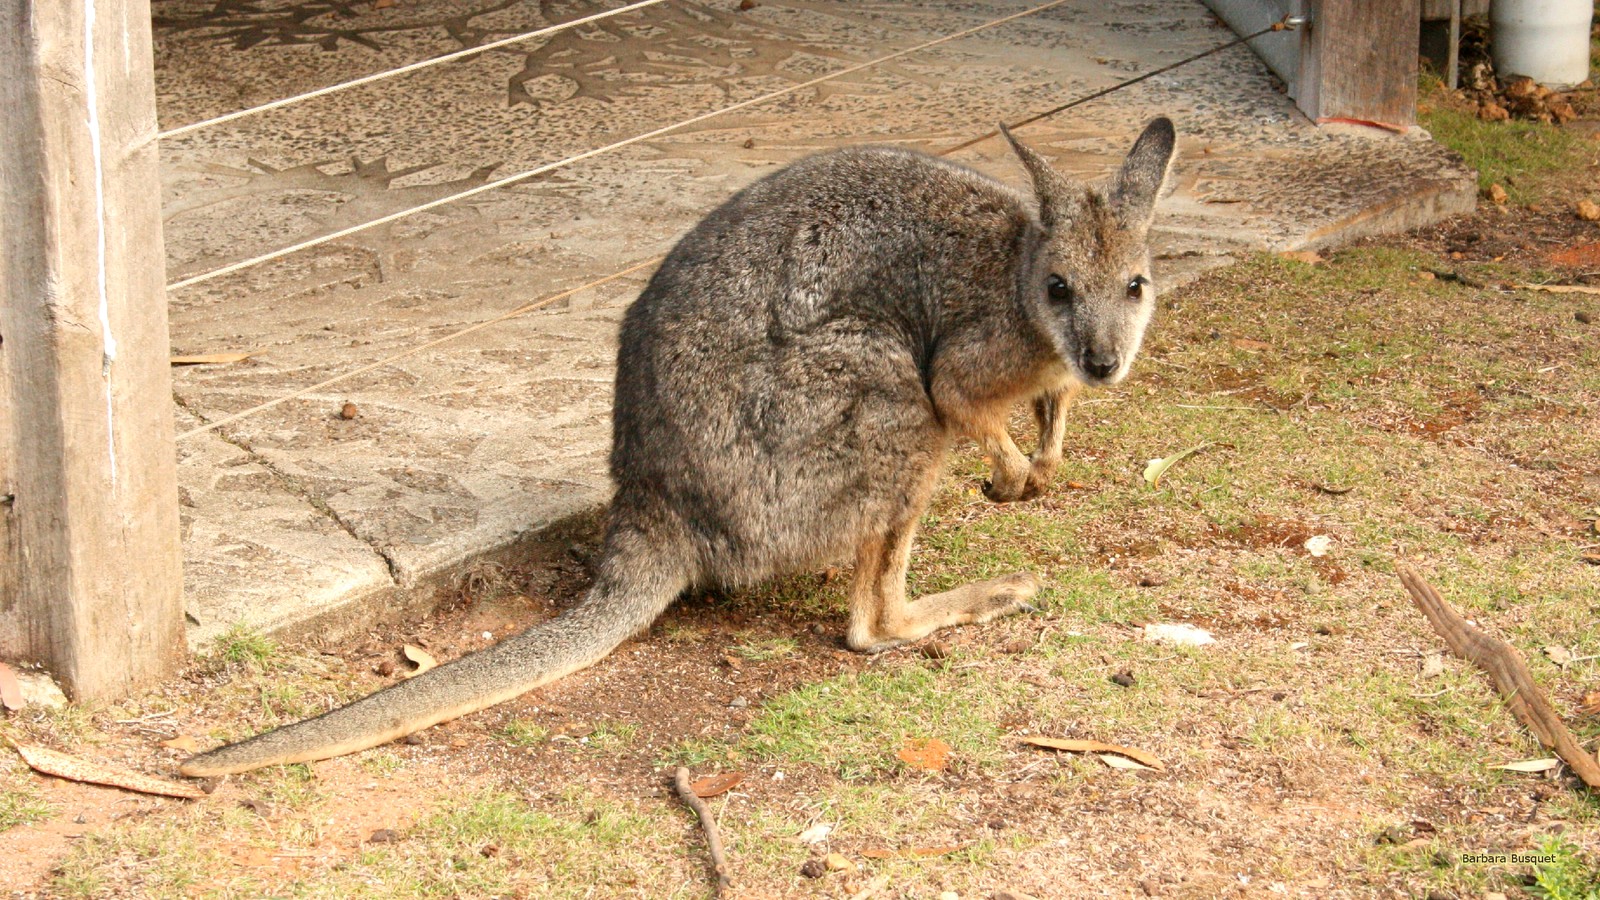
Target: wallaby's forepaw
x,y
1009,482
1040,476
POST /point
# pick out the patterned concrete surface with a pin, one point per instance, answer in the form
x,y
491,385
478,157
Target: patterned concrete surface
x,y
296,515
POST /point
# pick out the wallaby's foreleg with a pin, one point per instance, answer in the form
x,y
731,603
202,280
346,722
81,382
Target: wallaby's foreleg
x,y
1008,477
881,617
1050,411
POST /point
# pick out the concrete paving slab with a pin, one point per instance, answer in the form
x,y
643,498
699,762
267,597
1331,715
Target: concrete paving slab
x,y
476,442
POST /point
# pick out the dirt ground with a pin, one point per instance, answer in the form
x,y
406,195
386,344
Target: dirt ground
x,y
1288,774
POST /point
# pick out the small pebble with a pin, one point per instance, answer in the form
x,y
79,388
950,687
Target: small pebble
x,y
936,650
1123,679
384,836
348,411
814,868
738,703
1583,317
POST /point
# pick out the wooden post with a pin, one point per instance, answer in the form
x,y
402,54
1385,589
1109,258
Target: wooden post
x,y
90,583
1358,61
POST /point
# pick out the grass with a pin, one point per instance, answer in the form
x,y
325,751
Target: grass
x,y
761,649
1563,874
241,646
20,803
1518,156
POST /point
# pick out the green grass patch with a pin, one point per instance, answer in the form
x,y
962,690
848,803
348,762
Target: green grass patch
x,y
761,649
853,725
20,804
1566,874
242,646
1513,155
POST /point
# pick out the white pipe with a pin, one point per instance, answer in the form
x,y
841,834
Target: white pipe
x,y
1546,40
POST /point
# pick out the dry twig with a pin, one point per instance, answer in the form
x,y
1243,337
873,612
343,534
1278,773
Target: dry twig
x,y
719,863
1510,674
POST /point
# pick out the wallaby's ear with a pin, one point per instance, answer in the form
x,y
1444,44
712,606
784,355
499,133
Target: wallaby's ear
x,y
1058,197
1138,184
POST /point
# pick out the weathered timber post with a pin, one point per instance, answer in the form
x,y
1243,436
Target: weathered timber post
x,y
1358,61
90,583
1352,59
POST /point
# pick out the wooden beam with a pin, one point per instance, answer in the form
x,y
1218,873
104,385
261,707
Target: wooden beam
x,y
90,583
1358,61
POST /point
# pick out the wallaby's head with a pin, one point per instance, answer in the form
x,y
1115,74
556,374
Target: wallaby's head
x,y
1091,294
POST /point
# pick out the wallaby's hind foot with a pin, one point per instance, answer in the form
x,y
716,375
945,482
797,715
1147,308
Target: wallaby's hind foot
x,y
971,604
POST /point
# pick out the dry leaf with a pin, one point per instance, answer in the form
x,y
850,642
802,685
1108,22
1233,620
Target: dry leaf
x,y
1182,635
1155,468
10,688
1072,745
874,886
816,834
421,657
1318,545
382,4
930,755
63,765
1530,765
1309,257
708,786
184,742
210,359
913,852
1561,288
1117,762
1590,704
1433,665
1558,655
1249,344
836,862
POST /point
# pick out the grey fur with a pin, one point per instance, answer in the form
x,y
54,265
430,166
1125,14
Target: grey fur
x,y
788,385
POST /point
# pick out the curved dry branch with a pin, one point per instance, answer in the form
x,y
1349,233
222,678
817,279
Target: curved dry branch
x,y
719,863
1510,674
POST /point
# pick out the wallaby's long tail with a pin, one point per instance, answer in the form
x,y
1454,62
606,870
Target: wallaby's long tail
x,y
624,600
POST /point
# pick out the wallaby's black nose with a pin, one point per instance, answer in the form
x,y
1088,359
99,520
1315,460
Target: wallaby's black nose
x,y
1100,366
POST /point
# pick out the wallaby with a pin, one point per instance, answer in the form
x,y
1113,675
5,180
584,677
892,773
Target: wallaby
x,y
787,387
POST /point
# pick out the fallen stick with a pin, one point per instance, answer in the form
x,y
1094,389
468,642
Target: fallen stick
x,y
1510,674
719,863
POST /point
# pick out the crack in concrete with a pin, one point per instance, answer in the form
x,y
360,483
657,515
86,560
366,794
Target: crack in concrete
x,y
293,486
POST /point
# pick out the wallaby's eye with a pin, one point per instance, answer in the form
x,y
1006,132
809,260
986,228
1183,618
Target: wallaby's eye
x,y
1136,287
1060,291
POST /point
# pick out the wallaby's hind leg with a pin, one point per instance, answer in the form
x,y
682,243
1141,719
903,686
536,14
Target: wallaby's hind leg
x,y
1050,411
881,617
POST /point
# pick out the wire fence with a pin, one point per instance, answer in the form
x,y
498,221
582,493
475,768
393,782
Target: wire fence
x,y
638,266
